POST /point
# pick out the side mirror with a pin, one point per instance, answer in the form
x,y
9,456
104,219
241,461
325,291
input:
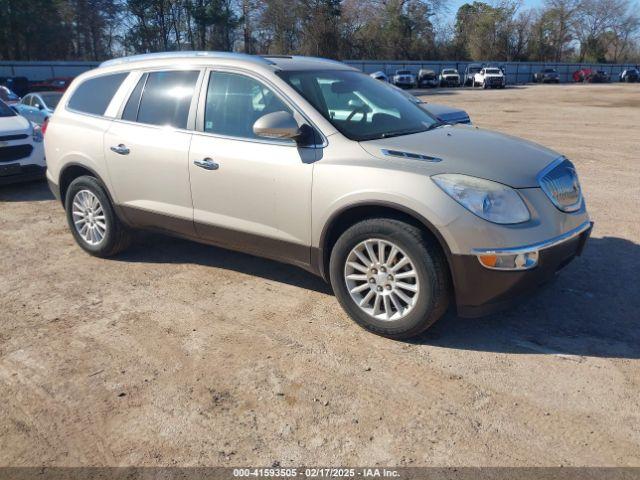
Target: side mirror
x,y
40,107
277,125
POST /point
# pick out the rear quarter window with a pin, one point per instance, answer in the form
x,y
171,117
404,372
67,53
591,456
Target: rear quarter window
x,y
94,95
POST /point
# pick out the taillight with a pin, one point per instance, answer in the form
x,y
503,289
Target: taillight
x,y
45,124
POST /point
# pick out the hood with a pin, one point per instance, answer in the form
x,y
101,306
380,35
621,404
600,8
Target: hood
x,y
14,125
471,151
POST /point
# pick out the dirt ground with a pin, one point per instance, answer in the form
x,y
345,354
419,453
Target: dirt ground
x,y
176,353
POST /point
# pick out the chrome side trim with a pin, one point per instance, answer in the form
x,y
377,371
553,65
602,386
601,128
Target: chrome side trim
x,y
552,242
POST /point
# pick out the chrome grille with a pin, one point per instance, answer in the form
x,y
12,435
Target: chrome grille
x,y
560,182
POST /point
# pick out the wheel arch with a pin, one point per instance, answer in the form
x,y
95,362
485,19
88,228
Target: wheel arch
x,y
347,216
73,170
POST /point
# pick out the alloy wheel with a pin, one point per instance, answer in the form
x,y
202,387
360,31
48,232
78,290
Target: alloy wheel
x,y
88,217
382,279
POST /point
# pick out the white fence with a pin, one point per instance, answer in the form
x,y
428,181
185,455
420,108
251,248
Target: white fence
x,y
517,72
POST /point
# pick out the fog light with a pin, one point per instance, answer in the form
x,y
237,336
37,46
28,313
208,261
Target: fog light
x,y
519,261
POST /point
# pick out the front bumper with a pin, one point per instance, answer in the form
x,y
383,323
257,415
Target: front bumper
x,y
13,173
481,291
451,81
494,81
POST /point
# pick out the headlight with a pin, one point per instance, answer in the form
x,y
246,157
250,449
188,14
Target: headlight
x,y
36,134
492,201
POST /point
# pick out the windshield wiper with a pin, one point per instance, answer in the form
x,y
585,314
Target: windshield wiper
x,y
399,133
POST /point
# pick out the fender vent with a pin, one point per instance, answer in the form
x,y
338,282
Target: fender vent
x,y
414,156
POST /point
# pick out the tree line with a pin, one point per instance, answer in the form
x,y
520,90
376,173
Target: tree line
x,y
500,30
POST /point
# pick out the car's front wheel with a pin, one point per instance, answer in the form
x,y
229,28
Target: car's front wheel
x,y
390,277
92,220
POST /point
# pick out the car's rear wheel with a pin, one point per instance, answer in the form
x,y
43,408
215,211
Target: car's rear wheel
x,y
92,219
390,277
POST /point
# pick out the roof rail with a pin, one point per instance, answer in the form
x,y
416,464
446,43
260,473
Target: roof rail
x,y
186,54
303,57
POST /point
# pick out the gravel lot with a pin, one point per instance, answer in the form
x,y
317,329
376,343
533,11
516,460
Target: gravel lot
x,y
181,354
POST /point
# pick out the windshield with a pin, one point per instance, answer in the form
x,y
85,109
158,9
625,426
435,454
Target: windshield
x,y
549,70
5,111
51,99
445,72
403,72
492,71
358,106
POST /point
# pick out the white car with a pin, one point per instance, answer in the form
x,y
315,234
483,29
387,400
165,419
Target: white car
x,y
489,77
21,150
404,79
449,77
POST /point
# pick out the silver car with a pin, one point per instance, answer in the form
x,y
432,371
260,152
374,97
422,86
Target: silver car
x,y
38,106
311,162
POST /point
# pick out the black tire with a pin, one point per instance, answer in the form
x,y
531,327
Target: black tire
x,y
429,263
116,238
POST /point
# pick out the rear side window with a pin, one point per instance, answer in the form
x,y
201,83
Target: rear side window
x,y
94,95
166,98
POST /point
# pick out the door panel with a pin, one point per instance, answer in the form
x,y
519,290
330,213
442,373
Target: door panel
x,y
153,177
249,193
258,199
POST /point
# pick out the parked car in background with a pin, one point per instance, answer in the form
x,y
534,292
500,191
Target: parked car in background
x,y
38,106
546,75
401,213
470,72
18,85
489,77
599,76
630,75
404,79
8,96
21,150
442,113
449,77
582,75
379,75
427,78
57,84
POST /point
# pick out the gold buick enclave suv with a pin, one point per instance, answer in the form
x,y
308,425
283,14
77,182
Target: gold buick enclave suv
x,y
311,162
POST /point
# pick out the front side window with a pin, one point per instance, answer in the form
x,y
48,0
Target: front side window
x,y
94,95
234,102
51,99
360,107
27,100
166,98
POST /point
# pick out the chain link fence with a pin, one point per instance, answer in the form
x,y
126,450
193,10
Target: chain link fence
x,y
516,72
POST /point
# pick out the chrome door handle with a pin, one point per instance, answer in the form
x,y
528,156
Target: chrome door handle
x,y
207,164
120,149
